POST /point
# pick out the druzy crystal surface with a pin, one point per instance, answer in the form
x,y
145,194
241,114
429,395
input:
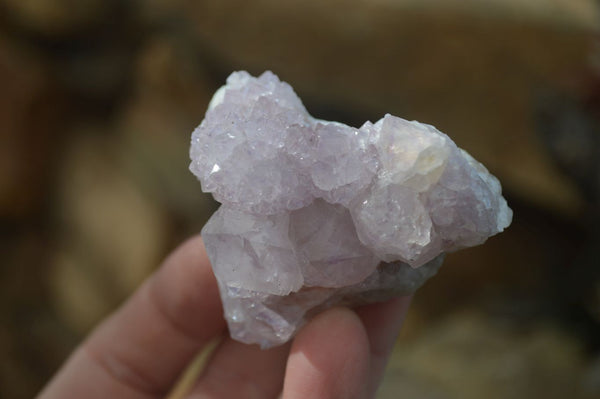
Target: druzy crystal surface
x,y
317,213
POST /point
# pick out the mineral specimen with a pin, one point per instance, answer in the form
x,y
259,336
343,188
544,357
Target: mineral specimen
x,y
317,213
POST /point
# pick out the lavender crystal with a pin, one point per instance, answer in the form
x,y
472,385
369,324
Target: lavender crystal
x,y
317,213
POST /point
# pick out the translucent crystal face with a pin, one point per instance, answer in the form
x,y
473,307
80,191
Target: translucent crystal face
x,y
316,213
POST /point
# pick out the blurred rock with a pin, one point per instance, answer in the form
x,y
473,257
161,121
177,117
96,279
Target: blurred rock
x,y
157,12
171,94
467,67
111,237
97,76
570,128
83,292
571,132
591,379
469,355
88,43
32,341
31,108
15,291
56,17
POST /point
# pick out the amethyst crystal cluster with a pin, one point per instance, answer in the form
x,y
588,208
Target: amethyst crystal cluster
x,y
317,213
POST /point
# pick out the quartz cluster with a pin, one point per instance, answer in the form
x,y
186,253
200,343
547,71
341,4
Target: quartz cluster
x,y
317,213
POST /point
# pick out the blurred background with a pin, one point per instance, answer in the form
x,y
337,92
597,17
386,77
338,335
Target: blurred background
x,y
98,99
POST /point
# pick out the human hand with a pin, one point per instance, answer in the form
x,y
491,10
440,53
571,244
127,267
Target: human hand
x,y
140,350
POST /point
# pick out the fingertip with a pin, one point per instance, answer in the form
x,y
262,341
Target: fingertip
x,y
186,290
382,322
329,358
191,252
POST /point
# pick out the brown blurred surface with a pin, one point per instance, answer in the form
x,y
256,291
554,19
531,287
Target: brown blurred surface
x,y
98,100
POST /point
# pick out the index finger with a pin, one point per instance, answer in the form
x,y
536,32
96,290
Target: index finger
x,y
140,350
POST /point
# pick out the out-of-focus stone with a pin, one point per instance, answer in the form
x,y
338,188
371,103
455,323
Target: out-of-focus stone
x,y
56,17
171,88
30,112
82,292
111,235
155,12
469,68
470,355
32,339
591,378
97,75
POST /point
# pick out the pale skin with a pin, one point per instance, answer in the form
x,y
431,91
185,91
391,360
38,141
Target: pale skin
x,y
140,350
